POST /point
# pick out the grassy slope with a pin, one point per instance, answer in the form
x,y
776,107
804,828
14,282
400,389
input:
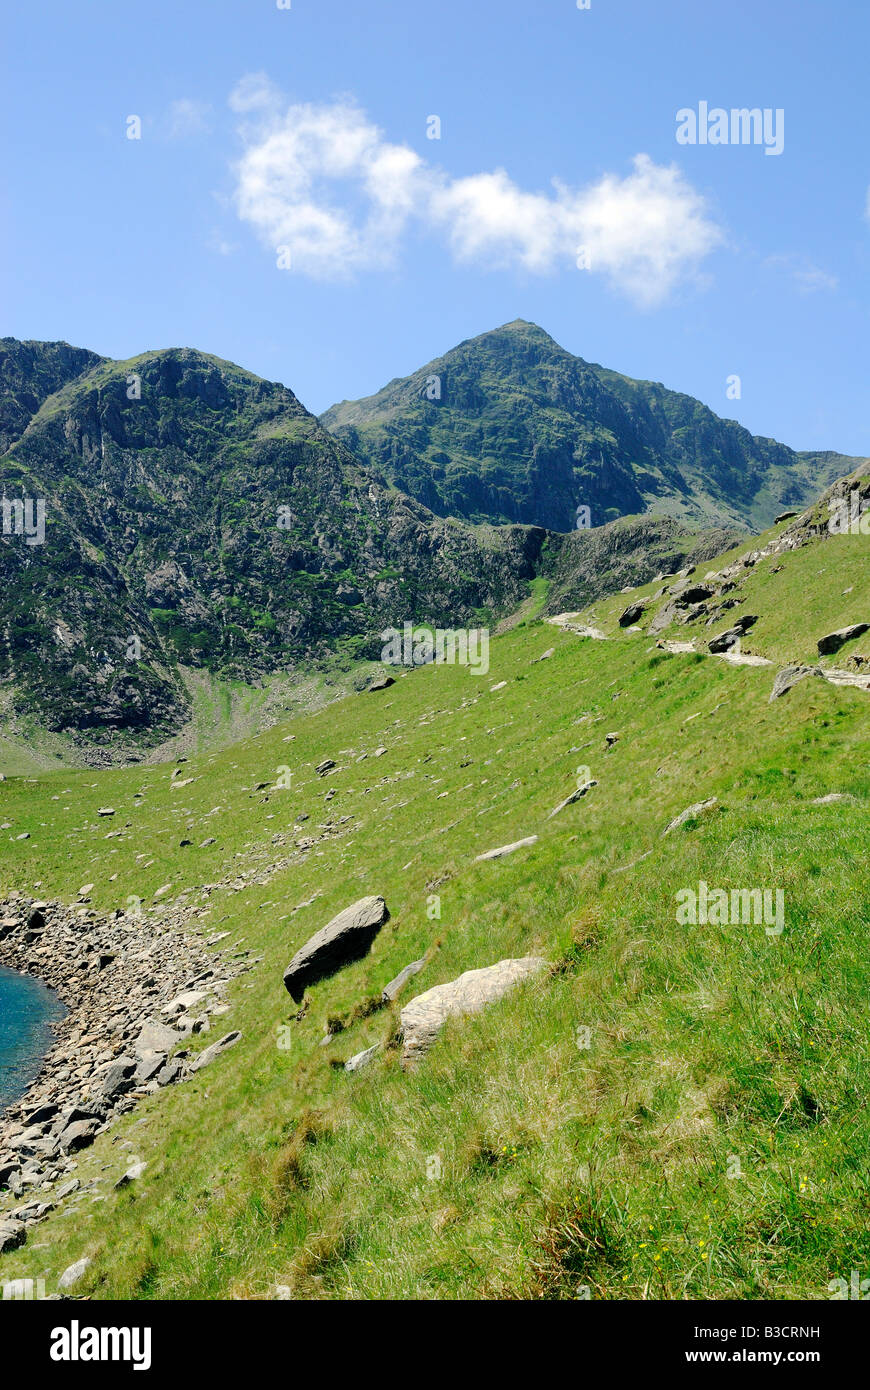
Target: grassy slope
x,y
814,591
562,1166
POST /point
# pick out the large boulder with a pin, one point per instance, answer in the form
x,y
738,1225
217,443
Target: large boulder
x,y
155,1037
835,640
632,613
421,1021
788,677
506,849
73,1273
210,1054
395,987
119,1078
691,813
346,938
725,641
79,1135
12,1234
583,788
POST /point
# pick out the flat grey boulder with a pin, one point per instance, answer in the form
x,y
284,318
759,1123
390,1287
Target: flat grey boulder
x,y
666,615
119,1078
346,938
394,988
134,1172
150,1063
210,1054
12,1234
506,849
835,640
421,1021
576,794
188,999
632,613
362,1059
170,1073
697,809
79,1135
789,676
155,1037
726,640
73,1273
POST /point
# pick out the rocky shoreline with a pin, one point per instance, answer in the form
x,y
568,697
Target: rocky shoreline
x,y
137,988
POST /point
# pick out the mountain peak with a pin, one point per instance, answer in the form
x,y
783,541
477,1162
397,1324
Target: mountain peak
x,y
510,427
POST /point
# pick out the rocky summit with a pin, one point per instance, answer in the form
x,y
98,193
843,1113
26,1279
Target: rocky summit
x,y
509,427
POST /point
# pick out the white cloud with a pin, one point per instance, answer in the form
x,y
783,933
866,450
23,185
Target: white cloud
x,y
323,180
808,277
188,117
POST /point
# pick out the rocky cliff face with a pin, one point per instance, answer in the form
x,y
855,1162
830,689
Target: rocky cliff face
x,y
509,427
589,565
196,514
29,374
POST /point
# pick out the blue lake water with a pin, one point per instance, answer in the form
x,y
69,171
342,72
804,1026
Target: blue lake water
x,y
27,1007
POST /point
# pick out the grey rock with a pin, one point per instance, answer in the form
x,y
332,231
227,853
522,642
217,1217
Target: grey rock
x,y
150,1063
697,809
421,1021
12,1234
134,1172
575,796
788,677
43,1113
210,1054
8,1167
188,999
835,640
362,1059
632,613
155,1037
666,615
73,1273
692,594
394,988
119,1078
347,937
79,1135
506,849
725,640
170,1072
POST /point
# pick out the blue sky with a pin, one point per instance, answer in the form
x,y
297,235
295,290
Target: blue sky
x,y
307,128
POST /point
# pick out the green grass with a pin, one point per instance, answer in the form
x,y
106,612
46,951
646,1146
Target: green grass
x,y
712,1050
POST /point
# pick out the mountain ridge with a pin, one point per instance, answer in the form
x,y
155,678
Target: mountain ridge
x,y
204,512
509,426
